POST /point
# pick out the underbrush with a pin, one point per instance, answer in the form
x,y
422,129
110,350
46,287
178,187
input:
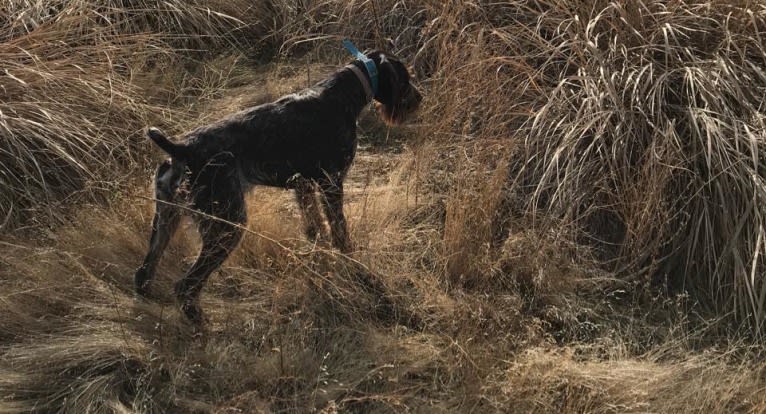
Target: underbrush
x,y
573,223
297,327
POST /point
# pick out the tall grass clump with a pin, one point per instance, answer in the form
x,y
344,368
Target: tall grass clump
x,y
78,90
298,27
650,141
197,24
636,130
68,118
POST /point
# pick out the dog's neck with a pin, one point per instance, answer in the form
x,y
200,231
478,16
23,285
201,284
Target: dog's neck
x,y
366,84
348,89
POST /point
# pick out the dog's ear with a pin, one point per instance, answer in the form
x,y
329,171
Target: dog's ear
x,y
390,82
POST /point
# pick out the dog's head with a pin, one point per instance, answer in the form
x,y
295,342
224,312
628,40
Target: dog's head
x,y
397,98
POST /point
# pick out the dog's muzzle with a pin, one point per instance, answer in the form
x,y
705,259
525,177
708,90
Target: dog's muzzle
x,y
412,99
407,105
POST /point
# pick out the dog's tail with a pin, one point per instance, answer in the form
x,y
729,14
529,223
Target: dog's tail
x,y
177,152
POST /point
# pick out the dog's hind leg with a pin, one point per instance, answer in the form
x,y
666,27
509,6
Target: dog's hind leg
x,y
218,241
222,205
164,225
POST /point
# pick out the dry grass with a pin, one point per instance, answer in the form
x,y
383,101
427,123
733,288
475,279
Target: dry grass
x,y
294,327
648,143
541,381
567,153
83,79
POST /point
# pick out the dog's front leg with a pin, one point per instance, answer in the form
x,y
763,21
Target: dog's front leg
x,y
332,192
307,201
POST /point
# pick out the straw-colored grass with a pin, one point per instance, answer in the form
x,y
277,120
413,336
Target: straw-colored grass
x,y
567,226
82,79
648,143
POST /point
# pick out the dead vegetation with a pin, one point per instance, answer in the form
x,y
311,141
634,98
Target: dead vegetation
x,y
574,224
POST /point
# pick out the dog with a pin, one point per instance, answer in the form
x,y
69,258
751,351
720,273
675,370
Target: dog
x,y
302,141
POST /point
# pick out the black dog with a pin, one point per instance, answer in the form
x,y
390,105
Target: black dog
x,y
301,141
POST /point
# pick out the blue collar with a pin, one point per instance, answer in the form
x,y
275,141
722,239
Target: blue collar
x,y
372,70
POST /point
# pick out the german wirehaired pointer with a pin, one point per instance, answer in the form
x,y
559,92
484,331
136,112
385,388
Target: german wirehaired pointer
x,y
301,141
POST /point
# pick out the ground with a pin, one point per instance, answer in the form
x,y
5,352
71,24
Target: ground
x,y
298,327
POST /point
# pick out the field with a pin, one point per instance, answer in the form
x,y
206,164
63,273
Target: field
x,y
575,221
